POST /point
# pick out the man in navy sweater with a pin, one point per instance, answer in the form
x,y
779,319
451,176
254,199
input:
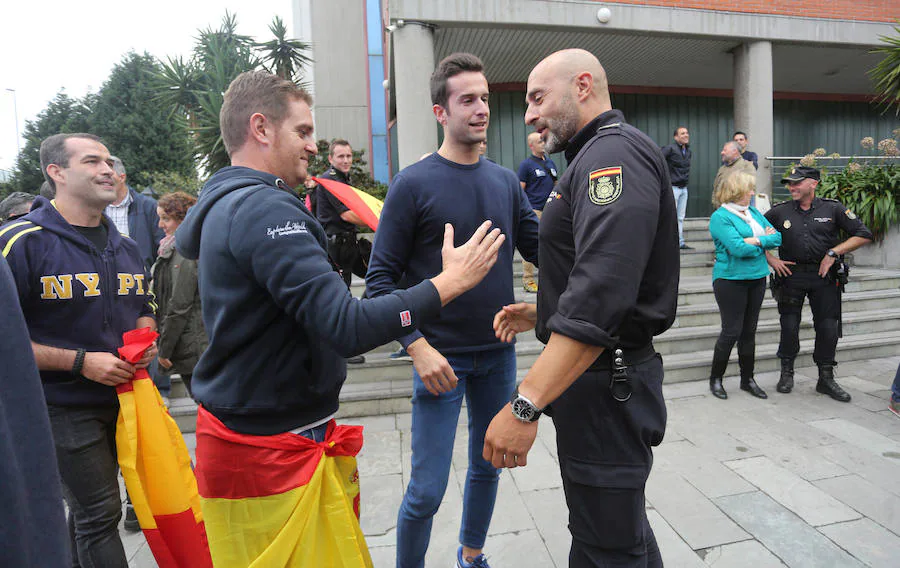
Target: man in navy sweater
x,y
81,285
456,355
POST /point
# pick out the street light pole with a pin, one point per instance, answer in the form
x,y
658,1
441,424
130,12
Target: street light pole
x,y
16,112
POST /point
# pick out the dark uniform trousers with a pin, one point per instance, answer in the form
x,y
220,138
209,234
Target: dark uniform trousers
x,y
351,255
825,302
605,455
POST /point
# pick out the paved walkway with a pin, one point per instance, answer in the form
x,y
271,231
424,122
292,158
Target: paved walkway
x,y
797,480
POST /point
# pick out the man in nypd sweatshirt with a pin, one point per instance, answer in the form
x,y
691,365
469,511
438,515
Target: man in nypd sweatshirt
x,y
81,286
281,321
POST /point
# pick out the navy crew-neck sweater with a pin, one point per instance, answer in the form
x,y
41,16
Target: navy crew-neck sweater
x,y
422,198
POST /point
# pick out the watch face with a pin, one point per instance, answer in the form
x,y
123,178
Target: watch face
x,y
522,409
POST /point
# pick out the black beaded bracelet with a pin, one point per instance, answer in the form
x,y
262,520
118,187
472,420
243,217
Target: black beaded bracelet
x,y
79,362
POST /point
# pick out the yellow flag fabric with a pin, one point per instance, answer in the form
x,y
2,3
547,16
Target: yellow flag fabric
x,y
284,500
156,466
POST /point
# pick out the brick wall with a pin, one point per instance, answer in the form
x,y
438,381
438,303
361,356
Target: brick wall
x,y
862,10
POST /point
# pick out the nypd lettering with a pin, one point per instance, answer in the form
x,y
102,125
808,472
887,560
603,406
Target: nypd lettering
x,y
605,185
64,287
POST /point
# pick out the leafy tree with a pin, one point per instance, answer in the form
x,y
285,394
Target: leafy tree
x,y
135,126
167,182
193,91
886,74
63,114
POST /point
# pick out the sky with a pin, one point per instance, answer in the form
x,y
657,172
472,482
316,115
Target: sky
x,y
48,45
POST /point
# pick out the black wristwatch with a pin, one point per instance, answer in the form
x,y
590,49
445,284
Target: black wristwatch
x,y
523,409
831,253
79,362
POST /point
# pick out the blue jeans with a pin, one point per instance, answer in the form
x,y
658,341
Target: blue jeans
x,y
681,194
160,377
895,388
486,379
85,440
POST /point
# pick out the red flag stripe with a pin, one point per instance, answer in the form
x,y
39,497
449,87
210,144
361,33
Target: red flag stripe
x,y
177,536
347,195
231,465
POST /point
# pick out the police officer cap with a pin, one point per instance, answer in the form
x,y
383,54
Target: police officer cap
x,y
799,173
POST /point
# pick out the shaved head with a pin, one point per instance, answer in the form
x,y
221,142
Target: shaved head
x,y
566,91
568,63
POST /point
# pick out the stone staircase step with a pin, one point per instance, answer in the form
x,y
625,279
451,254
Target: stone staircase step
x,y
708,313
695,366
391,396
692,339
697,290
871,325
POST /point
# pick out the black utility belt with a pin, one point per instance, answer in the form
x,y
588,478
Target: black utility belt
x,y
804,267
630,357
342,237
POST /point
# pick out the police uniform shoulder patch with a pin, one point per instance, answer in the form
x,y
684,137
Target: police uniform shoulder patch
x,y
850,214
605,185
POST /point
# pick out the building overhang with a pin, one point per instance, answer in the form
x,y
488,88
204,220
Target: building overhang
x,y
646,46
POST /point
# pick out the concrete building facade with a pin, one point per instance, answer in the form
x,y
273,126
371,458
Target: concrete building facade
x,y
754,53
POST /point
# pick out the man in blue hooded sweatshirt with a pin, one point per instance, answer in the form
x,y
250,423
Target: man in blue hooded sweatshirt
x,y
81,285
281,321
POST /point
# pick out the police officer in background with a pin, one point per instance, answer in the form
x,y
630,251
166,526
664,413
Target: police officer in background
x,y
610,268
340,223
349,252
808,263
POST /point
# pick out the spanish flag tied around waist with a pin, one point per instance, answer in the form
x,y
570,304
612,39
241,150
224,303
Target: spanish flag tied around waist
x,y
156,466
280,501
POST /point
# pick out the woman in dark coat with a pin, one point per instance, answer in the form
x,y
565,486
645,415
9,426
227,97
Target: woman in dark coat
x,y
182,335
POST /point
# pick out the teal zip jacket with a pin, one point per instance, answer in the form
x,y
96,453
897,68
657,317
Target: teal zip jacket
x,y
735,259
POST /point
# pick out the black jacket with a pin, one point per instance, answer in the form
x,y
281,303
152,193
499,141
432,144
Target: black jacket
x,y
280,319
679,164
609,241
143,226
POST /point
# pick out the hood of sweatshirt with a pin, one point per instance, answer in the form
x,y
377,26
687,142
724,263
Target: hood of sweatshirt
x,y
223,182
44,213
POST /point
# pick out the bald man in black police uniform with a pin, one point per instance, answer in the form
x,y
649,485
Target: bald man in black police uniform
x,y
809,257
609,284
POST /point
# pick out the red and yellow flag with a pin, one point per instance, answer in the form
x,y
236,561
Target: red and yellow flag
x,y
366,206
280,501
156,466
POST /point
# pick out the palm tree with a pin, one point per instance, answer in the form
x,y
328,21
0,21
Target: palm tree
x,y
194,90
886,74
285,57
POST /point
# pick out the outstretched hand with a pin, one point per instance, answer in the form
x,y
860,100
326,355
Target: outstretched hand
x,y
513,319
467,265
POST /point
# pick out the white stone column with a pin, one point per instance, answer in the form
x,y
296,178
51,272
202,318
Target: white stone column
x,y
753,104
413,50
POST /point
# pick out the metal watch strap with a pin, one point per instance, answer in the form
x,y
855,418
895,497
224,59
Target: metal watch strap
x,y
523,409
78,365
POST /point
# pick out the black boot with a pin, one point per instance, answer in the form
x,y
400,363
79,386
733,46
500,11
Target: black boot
x,y
786,382
747,383
750,386
827,385
715,387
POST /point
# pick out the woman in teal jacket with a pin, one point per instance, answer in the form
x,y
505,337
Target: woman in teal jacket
x,y
741,235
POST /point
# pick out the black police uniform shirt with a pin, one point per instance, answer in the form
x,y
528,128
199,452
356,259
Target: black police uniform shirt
x,y
609,241
806,236
329,207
